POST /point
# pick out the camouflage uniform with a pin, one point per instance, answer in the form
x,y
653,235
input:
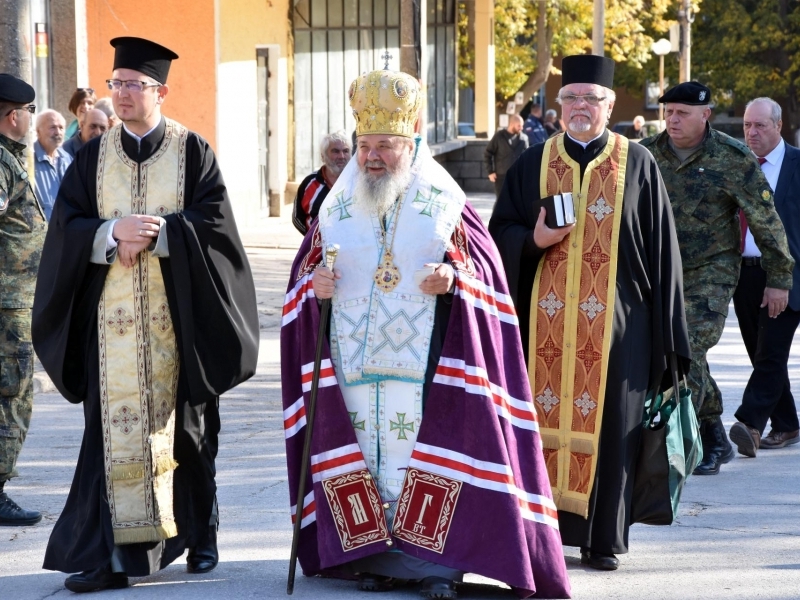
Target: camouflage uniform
x,y
22,230
706,191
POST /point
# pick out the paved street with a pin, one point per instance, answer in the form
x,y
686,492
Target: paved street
x,y
738,536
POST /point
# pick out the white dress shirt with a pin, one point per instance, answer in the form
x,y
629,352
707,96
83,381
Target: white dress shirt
x,y
771,169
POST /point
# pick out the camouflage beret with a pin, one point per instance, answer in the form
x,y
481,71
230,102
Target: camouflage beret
x,y
15,90
688,92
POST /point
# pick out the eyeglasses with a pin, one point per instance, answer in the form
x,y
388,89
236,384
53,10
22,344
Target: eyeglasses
x,y
590,99
132,85
31,108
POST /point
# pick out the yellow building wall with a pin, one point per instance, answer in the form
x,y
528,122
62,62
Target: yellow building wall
x,y
185,26
244,26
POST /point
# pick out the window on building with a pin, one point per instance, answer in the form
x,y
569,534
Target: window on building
x,y
335,41
441,56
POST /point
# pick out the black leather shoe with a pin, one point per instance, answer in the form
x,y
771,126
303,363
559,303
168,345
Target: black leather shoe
x,y
94,581
204,557
438,587
11,514
596,560
717,450
368,582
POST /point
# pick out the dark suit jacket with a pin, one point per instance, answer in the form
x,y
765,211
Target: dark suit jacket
x,y
787,203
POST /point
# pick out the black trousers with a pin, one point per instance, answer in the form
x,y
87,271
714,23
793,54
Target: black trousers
x,y
498,184
768,342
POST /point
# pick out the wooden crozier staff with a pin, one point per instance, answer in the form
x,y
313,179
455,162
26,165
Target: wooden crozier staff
x,y
331,251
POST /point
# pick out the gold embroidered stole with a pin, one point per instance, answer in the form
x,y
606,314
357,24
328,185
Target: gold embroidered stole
x,y
138,353
572,312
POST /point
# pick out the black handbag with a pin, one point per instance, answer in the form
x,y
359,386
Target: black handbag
x,y
669,451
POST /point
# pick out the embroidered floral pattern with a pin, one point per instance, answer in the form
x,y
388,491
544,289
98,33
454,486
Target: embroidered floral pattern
x,y
125,420
120,321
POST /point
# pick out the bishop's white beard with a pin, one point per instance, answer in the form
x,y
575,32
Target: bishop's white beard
x,y
377,194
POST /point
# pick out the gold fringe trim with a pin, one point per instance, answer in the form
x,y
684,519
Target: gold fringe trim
x,y
148,533
573,505
582,446
123,472
165,464
549,440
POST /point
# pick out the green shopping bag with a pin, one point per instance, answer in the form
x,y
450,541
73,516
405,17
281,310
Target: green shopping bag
x,y
669,451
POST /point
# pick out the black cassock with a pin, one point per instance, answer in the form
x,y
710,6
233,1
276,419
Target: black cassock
x,y
649,321
213,307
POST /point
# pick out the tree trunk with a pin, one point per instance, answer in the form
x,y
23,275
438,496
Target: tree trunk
x,y
544,56
15,32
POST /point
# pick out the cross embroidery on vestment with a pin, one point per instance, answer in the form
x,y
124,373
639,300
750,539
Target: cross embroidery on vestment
x,y
341,206
401,426
430,202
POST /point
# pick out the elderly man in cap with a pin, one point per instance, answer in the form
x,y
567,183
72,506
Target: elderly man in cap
x,y
426,458
141,230
22,229
599,303
714,180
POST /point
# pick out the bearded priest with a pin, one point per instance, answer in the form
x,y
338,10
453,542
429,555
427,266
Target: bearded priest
x,y
426,461
600,304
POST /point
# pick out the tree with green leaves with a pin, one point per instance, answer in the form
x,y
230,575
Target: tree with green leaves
x,y
529,33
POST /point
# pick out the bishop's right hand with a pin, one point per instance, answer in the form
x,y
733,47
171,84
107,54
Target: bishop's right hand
x,y
544,237
324,282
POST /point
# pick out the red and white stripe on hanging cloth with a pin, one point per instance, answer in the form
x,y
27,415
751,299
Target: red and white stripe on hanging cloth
x,y
336,462
475,380
486,475
294,416
309,510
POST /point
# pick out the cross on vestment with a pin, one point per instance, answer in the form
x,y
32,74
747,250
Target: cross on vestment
x,y
386,57
429,202
341,206
401,426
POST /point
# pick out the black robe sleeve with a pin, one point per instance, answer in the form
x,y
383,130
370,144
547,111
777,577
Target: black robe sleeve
x,y
207,276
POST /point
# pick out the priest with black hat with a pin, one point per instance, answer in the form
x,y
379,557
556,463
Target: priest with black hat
x,y
599,301
718,191
22,229
145,312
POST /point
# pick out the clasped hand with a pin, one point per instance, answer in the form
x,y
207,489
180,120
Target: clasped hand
x,y
438,282
134,234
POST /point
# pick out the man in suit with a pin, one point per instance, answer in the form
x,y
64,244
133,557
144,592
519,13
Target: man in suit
x,y
768,337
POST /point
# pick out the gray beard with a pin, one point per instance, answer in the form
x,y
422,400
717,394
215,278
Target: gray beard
x,y
579,127
378,194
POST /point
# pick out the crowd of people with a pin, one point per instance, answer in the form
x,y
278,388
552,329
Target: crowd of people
x,y
481,389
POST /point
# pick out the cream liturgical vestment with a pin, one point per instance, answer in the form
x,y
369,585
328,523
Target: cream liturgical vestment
x,y
380,337
133,318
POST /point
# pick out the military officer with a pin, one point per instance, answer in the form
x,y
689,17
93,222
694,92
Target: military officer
x,y
22,231
710,177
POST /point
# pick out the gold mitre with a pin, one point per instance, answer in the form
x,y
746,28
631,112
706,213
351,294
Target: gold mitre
x,y
385,102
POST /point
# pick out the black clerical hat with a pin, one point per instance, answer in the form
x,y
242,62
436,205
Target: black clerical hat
x,y
688,92
13,89
588,68
142,55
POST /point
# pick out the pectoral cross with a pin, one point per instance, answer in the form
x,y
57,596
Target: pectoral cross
x,y
386,58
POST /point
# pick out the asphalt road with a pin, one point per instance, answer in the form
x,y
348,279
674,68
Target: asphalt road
x,y
738,535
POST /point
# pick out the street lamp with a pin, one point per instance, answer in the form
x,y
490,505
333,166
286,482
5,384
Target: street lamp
x,y
661,48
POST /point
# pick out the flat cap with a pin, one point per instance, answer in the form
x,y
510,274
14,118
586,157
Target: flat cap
x,y
142,55
688,92
13,89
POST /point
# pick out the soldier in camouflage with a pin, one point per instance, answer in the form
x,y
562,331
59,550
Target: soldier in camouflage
x,y
710,176
22,230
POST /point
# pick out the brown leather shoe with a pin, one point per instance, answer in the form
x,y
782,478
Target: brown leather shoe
x,y
746,438
780,439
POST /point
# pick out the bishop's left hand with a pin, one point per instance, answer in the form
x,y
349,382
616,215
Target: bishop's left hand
x,y
440,281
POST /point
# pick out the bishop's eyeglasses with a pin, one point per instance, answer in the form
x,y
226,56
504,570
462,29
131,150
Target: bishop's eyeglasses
x,y
132,85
